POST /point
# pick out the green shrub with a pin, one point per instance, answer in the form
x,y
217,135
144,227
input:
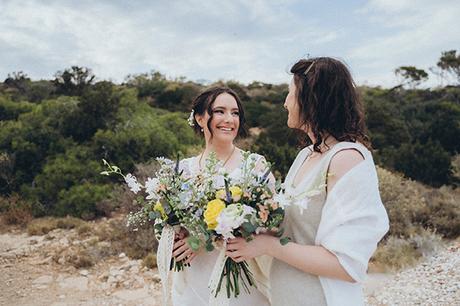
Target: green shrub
x,y
81,200
413,207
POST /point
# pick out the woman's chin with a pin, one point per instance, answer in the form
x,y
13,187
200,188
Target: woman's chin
x,y
224,137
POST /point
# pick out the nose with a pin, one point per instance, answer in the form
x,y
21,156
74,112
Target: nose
x,y
228,117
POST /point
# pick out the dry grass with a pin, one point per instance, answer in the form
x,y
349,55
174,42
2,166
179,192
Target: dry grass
x,y
150,261
43,226
15,211
420,217
84,229
135,244
413,207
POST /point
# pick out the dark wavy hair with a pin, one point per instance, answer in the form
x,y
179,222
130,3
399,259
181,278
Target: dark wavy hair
x,y
329,103
204,102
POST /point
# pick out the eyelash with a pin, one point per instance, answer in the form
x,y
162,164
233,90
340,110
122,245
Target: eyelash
x,y
221,111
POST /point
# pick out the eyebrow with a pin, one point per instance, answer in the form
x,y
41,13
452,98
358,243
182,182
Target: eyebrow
x,y
221,107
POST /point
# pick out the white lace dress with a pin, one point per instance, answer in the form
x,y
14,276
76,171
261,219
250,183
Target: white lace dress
x,y
190,286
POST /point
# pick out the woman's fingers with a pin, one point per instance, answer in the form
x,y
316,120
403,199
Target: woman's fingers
x,y
190,258
233,254
180,250
234,240
178,244
185,254
238,259
233,246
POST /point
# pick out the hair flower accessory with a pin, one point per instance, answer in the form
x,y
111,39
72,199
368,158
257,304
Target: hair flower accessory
x,y
191,118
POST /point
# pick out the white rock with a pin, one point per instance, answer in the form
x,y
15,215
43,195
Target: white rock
x,y
84,272
132,295
78,283
42,280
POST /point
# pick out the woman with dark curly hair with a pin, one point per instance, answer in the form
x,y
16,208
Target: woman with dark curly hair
x,y
218,116
334,214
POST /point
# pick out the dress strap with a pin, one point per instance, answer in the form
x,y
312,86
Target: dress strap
x,y
345,145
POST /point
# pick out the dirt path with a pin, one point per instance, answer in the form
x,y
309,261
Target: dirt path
x,y
30,276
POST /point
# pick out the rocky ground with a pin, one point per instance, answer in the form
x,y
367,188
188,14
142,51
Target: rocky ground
x,y
32,275
34,271
435,281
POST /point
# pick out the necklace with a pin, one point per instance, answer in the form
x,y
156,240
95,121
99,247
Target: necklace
x,y
225,162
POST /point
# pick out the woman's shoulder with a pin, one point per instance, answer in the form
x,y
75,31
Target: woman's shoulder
x,y
346,157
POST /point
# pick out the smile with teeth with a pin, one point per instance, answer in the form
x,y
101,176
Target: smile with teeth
x,y
226,129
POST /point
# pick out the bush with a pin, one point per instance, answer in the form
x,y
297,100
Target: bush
x,y
41,226
81,200
59,175
427,162
10,110
15,210
398,253
135,244
150,261
412,206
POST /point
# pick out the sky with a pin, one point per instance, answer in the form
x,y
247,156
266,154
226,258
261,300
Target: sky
x,y
245,41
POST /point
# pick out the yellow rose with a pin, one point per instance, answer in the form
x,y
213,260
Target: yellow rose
x,y
159,208
236,193
212,212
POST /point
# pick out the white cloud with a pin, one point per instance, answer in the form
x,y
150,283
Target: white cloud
x,y
416,34
242,40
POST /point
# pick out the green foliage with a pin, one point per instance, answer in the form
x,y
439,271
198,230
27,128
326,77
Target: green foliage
x,y
177,96
32,138
81,200
61,173
450,62
144,136
96,109
50,143
73,81
10,110
412,206
411,75
427,162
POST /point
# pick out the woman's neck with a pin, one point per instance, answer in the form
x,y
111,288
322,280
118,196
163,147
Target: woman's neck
x,y
222,150
327,142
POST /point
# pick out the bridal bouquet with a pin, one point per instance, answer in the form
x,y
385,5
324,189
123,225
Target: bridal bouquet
x,y
166,200
242,207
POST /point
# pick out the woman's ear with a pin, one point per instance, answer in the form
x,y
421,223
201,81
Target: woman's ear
x,y
200,120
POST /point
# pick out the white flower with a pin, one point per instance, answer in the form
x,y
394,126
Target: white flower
x,y
151,187
222,171
231,218
132,183
282,199
218,181
302,204
185,198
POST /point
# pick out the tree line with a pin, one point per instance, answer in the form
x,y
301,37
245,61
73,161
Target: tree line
x,y
54,133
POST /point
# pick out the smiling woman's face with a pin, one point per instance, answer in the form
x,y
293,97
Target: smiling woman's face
x,y
225,121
